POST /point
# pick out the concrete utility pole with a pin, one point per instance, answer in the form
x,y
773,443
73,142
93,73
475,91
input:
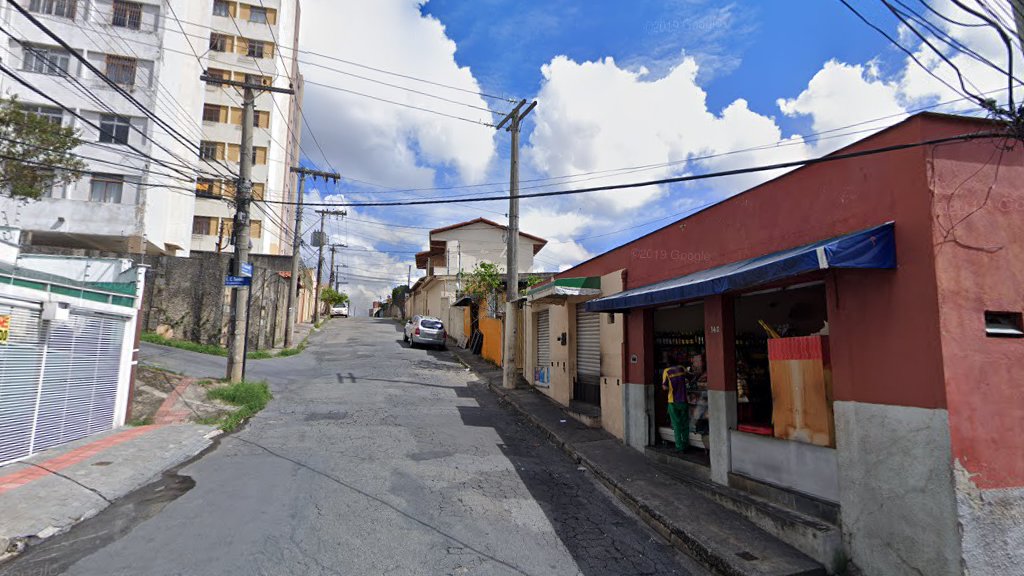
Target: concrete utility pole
x,y
293,286
320,259
243,194
508,358
1018,16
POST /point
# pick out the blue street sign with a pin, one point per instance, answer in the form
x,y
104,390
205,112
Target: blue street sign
x,y
237,281
246,269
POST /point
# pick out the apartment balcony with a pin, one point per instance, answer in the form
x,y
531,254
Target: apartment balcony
x,y
83,224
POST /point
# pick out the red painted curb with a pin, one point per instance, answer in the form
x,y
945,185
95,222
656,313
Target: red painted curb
x,y
166,414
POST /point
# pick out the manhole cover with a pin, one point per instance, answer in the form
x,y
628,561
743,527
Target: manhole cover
x,y
326,416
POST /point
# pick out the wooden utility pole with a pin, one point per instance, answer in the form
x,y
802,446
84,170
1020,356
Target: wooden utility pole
x,y
293,286
508,357
320,259
243,194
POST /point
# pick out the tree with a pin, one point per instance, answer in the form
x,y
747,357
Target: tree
x,y
35,152
483,280
332,297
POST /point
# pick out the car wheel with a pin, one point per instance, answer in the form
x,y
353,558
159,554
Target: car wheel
x,y
405,338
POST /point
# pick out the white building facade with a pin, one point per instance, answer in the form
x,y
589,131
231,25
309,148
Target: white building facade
x,y
138,175
155,165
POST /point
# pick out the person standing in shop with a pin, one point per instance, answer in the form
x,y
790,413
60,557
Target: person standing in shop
x,y
673,380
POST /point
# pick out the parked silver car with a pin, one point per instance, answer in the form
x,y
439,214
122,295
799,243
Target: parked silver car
x,y
425,331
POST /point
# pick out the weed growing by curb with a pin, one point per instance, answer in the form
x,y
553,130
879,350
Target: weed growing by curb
x,y
250,397
212,349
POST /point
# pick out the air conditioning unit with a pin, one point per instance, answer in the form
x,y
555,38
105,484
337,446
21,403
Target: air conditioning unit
x,y
59,311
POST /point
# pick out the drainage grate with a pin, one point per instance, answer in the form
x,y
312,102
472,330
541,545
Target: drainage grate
x,y
747,556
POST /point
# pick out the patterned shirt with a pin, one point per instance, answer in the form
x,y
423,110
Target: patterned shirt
x,y
675,378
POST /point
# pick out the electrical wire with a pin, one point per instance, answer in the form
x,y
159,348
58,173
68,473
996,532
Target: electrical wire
x,y
678,179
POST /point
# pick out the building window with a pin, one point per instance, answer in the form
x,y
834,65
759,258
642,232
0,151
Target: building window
x,y
257,79
45,60
121,69
52,115
212,113
258,15
203,225
257,190
255,229
106,188
208,150
219,42
62,8
260,119
127,14
218,74
255,49
221,8
114,129
204,187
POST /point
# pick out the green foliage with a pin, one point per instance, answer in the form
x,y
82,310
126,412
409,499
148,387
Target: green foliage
x,y
213,349
250,397
483,280
259,355
332,297
34,151
531,281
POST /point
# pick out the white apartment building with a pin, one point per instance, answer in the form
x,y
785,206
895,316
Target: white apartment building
x,y
126,203
245,41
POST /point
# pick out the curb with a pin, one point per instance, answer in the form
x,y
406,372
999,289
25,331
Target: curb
x,y
674,534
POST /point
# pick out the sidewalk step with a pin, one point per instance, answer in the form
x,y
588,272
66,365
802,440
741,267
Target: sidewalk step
x,y
715,536
820,540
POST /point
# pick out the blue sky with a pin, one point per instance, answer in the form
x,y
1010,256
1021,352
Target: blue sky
x,y
717,77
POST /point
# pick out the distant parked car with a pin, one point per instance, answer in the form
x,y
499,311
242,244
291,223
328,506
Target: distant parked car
x,y
426,331
339,310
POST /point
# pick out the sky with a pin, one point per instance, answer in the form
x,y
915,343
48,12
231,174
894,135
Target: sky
x,y
626,91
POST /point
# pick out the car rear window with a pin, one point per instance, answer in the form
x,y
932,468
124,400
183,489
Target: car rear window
x,y
431,324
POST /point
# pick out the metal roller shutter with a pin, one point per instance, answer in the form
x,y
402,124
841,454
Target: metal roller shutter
x,y
79,385
543,339
21,361
588,346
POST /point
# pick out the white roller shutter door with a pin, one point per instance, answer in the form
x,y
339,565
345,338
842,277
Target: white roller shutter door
x,y
21,361
588,346
543,339
58,383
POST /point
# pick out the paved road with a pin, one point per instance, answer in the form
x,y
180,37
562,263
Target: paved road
x,y
375,458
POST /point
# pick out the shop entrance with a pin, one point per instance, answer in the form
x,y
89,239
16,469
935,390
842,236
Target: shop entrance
x,y
784,315
679,341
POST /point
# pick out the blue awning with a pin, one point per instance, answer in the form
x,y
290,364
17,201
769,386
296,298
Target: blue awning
x,y
871,248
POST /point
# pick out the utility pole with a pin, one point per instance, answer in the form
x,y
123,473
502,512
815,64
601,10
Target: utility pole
x,y
293,286
330,282
320,259
243,194
508,358
1017,6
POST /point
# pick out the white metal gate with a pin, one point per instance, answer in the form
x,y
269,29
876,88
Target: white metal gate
x,y
588,346
543,339
21,362
58,380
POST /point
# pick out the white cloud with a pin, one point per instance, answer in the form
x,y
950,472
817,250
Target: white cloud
x,y
377,141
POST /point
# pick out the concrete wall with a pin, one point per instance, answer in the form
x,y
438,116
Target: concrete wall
x,y
559,386
802,467
187,295
612,331
898,508
978,233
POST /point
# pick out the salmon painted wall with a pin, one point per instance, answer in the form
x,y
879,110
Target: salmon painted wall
x,y
493,332
900,365
979,253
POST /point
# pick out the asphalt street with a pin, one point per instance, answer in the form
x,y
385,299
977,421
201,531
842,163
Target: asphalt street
x,y
373,458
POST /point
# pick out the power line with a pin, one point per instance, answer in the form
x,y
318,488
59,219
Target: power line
x,y
687,178
402,104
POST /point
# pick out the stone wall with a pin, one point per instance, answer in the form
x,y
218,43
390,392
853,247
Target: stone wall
x,y
186,298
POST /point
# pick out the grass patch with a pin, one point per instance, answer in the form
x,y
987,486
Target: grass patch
x,y
290,352
259,355
212,349
141,421
250,397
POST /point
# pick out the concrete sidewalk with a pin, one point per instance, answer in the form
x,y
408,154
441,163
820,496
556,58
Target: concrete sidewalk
x,y
48,493
719,538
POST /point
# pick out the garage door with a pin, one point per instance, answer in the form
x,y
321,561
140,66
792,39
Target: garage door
x,y
588,346
543,341
58,383
21,361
